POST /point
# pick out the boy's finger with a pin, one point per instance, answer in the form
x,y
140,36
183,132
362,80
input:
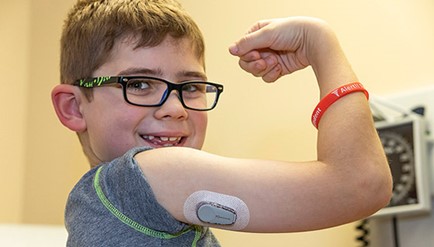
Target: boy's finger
x,y
251,56
273,74
259,67
256,68
252,41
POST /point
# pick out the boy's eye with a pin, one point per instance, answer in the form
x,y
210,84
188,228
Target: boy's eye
x,y
194,87
189,88
145,87
138,84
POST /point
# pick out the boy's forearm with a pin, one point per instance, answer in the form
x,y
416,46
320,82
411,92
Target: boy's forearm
x,y
347,138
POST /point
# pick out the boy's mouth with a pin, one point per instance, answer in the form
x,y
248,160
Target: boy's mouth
x,y
163,141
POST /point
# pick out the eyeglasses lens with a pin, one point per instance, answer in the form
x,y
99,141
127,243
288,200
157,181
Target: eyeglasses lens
x,y
150,92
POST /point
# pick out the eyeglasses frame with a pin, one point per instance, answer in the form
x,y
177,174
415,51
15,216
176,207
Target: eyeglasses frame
x,y
123,80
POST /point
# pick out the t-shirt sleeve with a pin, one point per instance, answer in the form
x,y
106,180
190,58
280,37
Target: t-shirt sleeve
x,y
115,198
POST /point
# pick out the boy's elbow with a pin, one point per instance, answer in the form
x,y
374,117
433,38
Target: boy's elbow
x,y
383,193
378,184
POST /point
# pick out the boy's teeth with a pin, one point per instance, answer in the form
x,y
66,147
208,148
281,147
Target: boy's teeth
x,y
163,138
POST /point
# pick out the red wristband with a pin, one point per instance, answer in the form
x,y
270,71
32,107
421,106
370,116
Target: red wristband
x,y
333,96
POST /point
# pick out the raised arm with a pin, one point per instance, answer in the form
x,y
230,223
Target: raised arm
x,y
350,178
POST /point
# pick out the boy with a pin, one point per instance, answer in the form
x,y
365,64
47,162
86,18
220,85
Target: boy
x,y
134,88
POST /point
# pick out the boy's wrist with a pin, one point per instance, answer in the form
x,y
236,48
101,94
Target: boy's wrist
x,y
329,63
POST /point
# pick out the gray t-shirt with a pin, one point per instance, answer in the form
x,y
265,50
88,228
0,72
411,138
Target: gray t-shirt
x,y
113,205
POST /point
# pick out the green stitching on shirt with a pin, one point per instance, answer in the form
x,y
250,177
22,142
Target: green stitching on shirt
x,y
135,225
197,235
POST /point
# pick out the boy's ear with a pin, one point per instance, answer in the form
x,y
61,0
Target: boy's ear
x,y
66,101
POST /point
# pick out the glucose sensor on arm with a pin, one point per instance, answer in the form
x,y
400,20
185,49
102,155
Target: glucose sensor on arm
x,y
217,209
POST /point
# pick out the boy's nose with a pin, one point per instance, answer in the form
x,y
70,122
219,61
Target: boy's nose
x,y
172,108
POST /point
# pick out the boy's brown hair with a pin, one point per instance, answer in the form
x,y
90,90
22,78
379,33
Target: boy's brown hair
x,y
93,26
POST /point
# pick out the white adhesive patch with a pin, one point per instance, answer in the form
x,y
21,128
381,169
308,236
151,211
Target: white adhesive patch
x,y
198,198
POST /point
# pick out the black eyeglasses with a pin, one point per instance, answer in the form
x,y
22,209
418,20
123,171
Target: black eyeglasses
x,y
151,91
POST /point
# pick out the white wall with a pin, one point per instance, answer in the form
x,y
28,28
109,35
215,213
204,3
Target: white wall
x,y
14,235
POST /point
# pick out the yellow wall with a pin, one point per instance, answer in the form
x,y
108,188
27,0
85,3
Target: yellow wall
x,y
14,26
53,157
41,161
390,44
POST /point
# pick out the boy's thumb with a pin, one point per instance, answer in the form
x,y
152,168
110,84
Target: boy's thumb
x,y
251,41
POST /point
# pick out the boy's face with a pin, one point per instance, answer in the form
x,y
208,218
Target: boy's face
x,y
113,126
